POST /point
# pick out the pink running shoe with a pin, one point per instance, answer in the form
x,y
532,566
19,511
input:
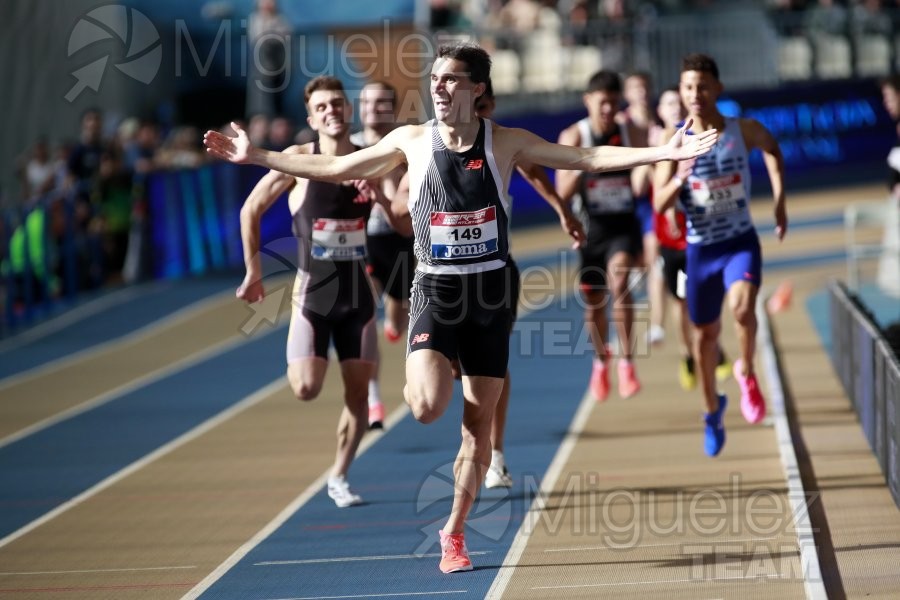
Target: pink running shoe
x,y
454,554
391,334
376,416
753,405
628,381
599,384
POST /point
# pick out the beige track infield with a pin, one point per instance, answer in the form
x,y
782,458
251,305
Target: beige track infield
x,y
161,529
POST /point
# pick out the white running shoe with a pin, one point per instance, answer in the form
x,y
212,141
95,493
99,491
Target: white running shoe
x,y
339,491
656,335
497,477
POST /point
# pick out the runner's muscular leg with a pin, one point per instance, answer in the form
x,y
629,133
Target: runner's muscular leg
x,y
742,301
354,419
617,272
481,394
429,384
306,376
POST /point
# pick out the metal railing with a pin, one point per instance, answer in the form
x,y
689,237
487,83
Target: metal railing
x,y
869,370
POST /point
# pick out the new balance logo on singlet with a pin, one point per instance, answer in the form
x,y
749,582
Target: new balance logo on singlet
x,y
419,337
474,164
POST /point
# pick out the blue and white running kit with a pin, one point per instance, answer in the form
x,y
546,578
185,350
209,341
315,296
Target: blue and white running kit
x,y
723,246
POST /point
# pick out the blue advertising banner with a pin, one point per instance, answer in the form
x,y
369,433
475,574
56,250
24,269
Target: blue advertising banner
x,y
830,133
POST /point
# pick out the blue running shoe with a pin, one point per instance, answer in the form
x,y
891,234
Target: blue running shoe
x,y
714,433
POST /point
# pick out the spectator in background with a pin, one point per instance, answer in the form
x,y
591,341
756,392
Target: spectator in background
x,y
183,149
84,170
258,130
38,172
578,16
788,16
112,212
867,17
140,154
444,14
126,133
514,22
267,33
281,134
84,160
140,160
827,17
616,42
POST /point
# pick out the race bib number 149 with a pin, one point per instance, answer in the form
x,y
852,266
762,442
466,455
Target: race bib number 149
x,y
464,235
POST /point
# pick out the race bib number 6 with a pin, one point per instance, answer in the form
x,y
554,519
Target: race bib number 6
x,y
338,239
464,235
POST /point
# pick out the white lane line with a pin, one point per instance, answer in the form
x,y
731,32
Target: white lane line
x,y
146,379
80,571
637,546
317,561
530,522
74,315
181,440
660,581
385,595
180,316
286,514
809,557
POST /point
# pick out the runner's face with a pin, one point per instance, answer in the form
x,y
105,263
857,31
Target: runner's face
x,y
636,91
329,113
602,107
669,109
699,92
452,92
376,106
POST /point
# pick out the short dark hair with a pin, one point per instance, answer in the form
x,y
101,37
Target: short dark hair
x,y
488,89
604,81
643,75
322,82
476,58
700,62
892,81
384,85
